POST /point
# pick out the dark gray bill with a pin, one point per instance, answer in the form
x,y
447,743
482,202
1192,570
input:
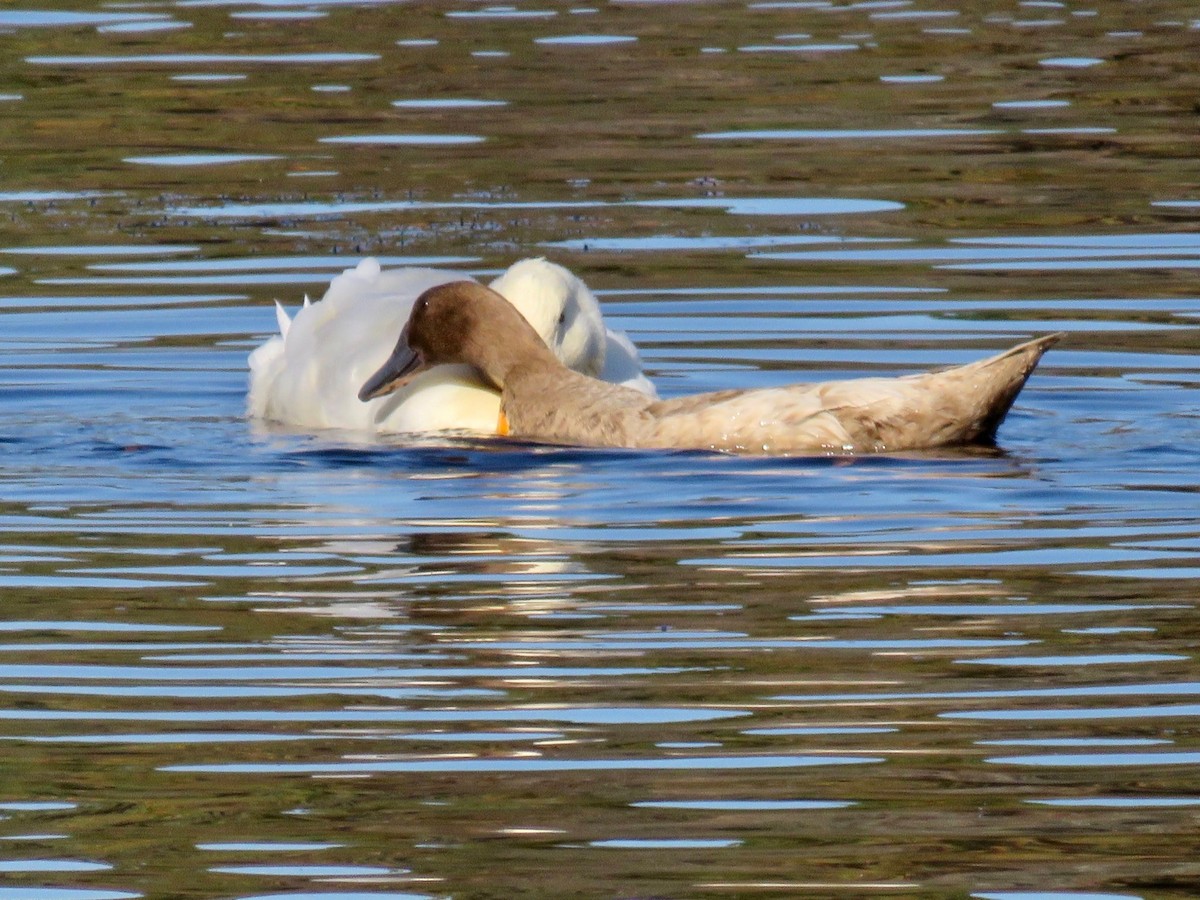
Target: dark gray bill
x,y
400,367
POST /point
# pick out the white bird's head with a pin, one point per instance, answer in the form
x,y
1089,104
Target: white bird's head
x,y
560,308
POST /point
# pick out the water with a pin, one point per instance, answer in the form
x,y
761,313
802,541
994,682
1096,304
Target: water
x,y
238,661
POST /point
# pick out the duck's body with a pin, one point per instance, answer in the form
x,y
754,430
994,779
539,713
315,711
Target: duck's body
x,y
308,376
962,405
542,400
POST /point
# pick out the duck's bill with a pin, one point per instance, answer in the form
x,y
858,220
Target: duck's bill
x,y
401,368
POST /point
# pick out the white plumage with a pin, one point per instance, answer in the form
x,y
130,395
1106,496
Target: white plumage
x,y
308,376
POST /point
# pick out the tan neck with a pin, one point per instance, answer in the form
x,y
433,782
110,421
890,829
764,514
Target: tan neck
x,y
505,353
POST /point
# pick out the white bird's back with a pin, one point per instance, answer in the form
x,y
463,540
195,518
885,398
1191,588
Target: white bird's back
x,y
309,375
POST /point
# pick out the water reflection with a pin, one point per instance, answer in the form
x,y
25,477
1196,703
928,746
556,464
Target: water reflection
x,y
405,140
255,662
448,103
748,805
41,18
191,59
668,763
199,159
585,40
746,206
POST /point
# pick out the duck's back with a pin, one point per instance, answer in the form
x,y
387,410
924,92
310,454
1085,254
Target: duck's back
x,y
954,406
961,405
864,415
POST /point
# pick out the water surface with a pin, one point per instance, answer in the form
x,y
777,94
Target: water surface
x,y
241,661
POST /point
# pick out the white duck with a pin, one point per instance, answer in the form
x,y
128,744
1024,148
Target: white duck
x,y
308,376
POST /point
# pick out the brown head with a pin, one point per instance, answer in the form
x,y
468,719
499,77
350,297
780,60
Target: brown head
x,y
460,322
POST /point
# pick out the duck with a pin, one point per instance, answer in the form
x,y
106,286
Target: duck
x,y
307,376
541,400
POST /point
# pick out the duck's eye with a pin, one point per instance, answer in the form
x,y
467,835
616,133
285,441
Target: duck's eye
x,y
562,317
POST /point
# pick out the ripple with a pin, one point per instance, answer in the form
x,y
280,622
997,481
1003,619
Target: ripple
x,y
59,893
103,249
199,159
1116,629
249,673
284,15
209,77
911,79
817,730
605,715
743,805
14,866
1081,130
121,627
1179,240
666,242
405,140
309,871
1070,265
88,581
665,843
448,103
267,846
747,206
1070,62
214,691
501,12
274,263
798,48
978,609
1082,659
482,736
668,641
1074,742
1076,715
332,895
190,59
50,196
843,134
143,27
35,838
203,737
778,206
525,765
1169,689
980,559
585,40
1119,802
915,14
1031,104
47,19
1101,760
995,256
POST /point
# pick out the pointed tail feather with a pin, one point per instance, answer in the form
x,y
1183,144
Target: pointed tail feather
x,y
282,319
1001,377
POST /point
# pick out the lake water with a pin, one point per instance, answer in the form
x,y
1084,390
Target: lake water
x,y
240,662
